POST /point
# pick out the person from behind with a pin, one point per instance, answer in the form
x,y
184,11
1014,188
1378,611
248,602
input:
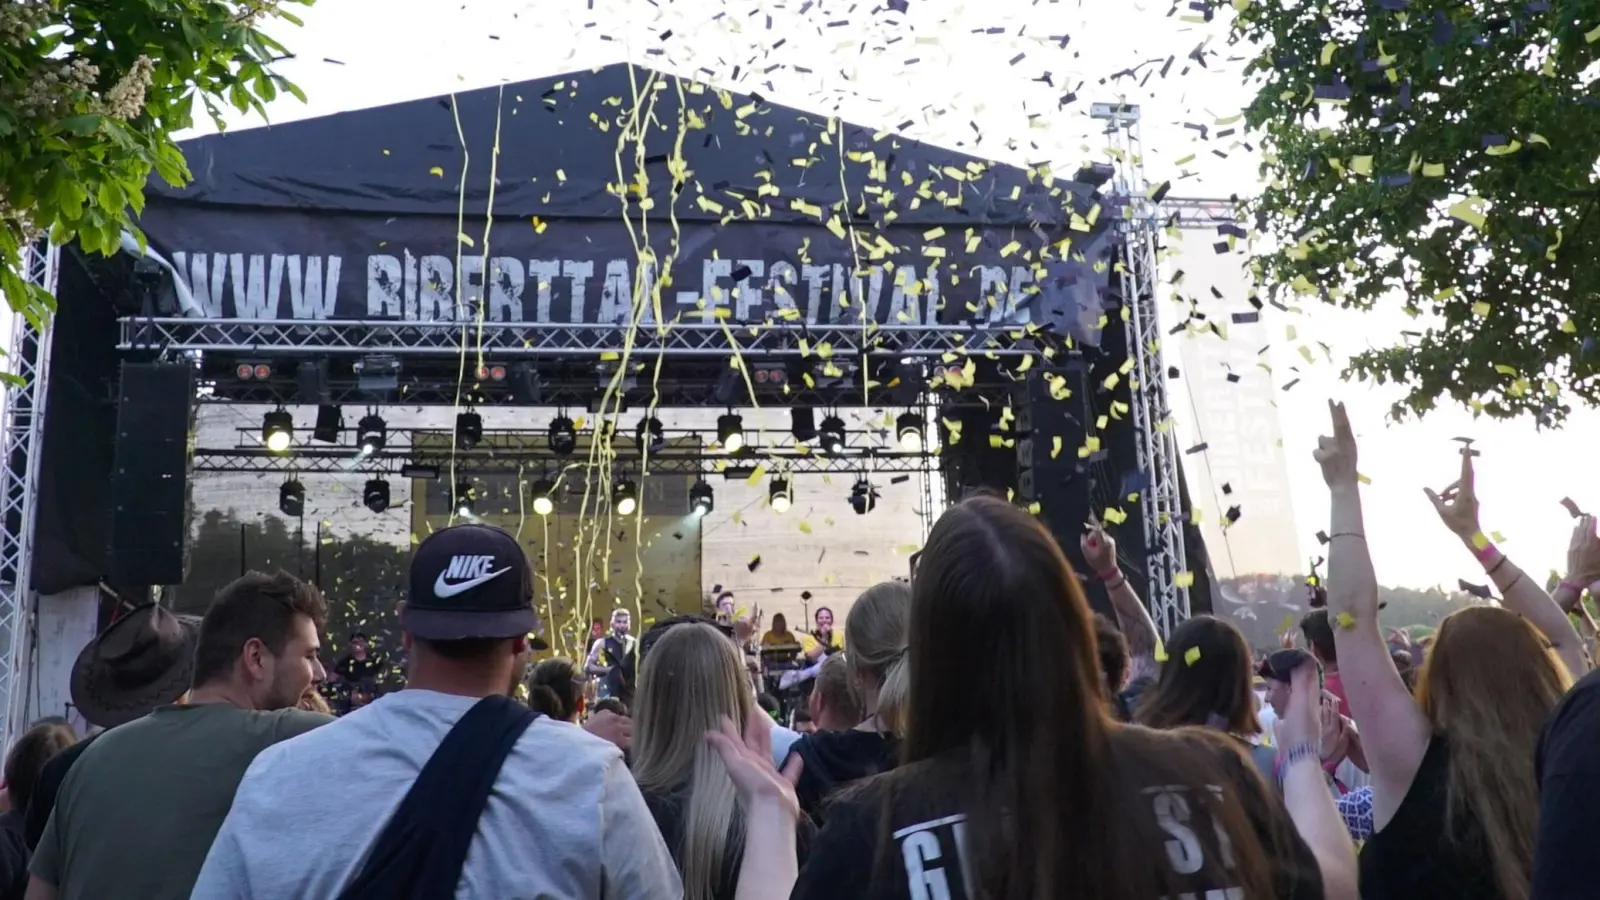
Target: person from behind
x,y
1318,632
28,756
556,689
692,679
1206,682
113,835
1455,804
833,706
1112,649
544,809
1015,782
141,661
876,634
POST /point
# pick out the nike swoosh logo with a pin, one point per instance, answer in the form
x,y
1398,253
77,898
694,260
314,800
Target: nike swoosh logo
x,y
444,589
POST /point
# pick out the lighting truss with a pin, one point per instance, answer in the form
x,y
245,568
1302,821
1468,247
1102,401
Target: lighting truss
x,y
405,442
1156,447
511,340
388,462
23,436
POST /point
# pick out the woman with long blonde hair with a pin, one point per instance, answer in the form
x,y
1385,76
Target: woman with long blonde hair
x,y
692,679
1455,806
875,633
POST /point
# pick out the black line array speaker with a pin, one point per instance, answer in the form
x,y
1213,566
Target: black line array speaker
x,y
149,484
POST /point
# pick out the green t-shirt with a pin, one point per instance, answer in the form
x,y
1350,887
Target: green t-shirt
x,y
138,811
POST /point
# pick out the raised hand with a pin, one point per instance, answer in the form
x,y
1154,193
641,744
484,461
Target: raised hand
x,y
1099,549
748,758
1457,505
1583,554
1337,454
1302,715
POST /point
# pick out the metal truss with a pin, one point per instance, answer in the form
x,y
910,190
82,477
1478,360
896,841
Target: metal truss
x,y
405,442
521,340
1156,446
532,463
23,434
1195,213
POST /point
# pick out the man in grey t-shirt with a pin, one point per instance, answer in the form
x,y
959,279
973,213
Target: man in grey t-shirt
x,y
564,818
137,812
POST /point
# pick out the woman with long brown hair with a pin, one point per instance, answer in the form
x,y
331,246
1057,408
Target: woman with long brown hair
x,y
1016,784
1455,805
1207,683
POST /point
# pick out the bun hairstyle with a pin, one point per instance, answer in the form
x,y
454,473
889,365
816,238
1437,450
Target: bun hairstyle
x,y
553,689
875,641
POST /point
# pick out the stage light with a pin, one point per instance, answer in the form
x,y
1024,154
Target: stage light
x,y
803,423
277,430
376,495
700,498
730,432
469,430
563,436
371,433
780,495
292,498
832,435
651,436
625,497
863,497
464,498
909,428
544,497
330,421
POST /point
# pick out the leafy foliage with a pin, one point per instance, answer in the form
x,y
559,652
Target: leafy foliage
x,y
1441,156
91,92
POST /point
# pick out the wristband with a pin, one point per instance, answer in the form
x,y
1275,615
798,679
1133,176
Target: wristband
x,y
1483,548
1108,574
1569,586
1303,750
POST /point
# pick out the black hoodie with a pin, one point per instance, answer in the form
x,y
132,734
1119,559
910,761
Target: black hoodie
x,y
833,759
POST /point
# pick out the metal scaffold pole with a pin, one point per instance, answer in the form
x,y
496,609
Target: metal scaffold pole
x,y
1164,516
28,358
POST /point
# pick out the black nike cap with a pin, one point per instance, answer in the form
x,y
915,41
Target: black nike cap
x,y
471,581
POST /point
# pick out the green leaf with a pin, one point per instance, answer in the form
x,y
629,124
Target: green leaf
x,y
81,125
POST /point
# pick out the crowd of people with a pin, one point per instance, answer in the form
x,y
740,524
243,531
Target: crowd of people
x,y
974,732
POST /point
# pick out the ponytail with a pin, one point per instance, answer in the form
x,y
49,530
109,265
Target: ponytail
x,y
892,696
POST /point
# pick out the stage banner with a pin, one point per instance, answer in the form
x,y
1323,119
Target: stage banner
x,y
587,560
288,264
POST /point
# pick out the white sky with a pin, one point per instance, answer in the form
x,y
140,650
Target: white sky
x,y
965,89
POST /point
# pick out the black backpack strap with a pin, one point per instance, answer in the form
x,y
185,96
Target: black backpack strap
x,y
422,849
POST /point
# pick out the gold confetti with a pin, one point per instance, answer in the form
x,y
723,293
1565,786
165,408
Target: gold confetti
x,y
1161,651
1479,540
1191,656
1183,579
1345,621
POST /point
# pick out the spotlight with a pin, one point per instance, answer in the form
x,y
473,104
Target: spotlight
x,y
780,496
277,430
330,421
863,497
464,498
469,430
651,436
544,497
909,427
371,433
832,434
730,432
625,497
292,498
700,498
563,436
376,495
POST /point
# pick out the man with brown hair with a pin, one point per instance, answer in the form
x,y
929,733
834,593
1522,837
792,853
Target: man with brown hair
x,y
138,811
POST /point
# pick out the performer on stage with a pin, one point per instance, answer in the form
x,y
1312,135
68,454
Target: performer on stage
x,y
779,634
823,641
614,659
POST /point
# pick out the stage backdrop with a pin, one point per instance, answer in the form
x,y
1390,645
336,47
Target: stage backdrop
x,y
586,559
738,209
